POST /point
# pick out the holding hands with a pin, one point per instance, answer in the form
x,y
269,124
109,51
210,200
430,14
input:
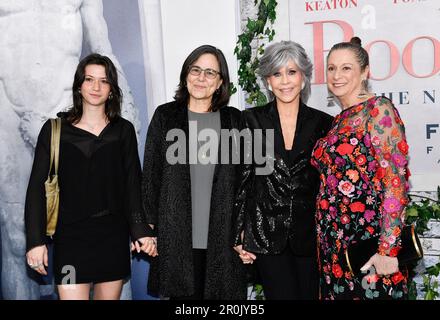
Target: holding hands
x,y
245,256
145,244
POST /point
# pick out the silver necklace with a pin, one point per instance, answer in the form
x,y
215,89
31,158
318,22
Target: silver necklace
x,y
204,153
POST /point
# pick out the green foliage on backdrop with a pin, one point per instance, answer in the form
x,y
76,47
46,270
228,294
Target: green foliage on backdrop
x,y
256,31
421,212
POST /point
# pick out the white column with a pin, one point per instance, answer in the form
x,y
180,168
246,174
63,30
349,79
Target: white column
x,y
152,43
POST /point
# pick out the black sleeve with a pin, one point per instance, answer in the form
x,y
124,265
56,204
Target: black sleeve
x,y
152,170
245,178
327,123
35,215
132,168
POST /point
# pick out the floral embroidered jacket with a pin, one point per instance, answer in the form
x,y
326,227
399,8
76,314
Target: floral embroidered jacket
x,y
364,181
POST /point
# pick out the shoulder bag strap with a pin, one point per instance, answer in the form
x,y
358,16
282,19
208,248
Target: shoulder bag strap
x,y
56,143
52,150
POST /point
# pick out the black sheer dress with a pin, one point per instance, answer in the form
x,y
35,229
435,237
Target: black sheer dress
x,y
100,203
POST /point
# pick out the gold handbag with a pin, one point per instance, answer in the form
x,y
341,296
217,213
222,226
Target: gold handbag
x,y
51,184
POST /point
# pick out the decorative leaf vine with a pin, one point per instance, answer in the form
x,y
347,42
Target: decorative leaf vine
x,y
430,284
256,29
421,212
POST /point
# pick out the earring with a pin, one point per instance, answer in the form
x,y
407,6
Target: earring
x,y
269,87
330,100
110,96
363,93
79,90
302,86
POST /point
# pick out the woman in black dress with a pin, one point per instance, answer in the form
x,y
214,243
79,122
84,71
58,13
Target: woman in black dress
x,y
99,178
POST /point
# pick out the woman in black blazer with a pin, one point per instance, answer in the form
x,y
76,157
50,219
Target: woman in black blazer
x,y
189,196
275,212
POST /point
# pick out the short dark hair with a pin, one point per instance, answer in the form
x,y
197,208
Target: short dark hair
x,y
221,97
113,105
355,46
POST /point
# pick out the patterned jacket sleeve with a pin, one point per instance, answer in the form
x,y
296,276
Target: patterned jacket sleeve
x,y
152,169
391,179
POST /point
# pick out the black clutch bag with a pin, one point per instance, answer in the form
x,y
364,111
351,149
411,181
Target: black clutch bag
x,y
358,253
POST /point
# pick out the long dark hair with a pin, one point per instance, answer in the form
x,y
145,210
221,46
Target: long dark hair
x,y
221,96
113,105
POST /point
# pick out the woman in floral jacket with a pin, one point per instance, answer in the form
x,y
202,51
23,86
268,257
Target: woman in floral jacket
x,y
363,164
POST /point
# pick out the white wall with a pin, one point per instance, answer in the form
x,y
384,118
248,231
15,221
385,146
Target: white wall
x,y
187,24
184,25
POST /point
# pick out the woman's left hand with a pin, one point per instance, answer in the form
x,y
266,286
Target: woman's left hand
x,y
384,265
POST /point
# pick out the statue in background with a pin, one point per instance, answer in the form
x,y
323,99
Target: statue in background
x,y
41,45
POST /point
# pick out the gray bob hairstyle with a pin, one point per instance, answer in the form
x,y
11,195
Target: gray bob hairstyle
x,y
277,55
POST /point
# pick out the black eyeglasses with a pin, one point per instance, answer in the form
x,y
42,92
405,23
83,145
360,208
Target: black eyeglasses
x,y
209,73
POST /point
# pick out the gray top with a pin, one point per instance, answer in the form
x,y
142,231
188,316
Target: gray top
x,y
202,171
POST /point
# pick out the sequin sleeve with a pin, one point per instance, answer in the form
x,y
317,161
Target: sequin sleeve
x,y
245,176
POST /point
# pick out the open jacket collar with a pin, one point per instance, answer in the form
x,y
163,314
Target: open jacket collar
x,y
272,121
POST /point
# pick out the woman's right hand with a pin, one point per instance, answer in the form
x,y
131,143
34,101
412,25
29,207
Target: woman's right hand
x,y
383,265
245,256
37,259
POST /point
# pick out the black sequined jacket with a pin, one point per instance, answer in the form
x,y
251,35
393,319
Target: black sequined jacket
x,y
279,209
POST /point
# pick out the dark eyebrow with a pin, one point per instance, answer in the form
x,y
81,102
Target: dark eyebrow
x,y
344,64
88,75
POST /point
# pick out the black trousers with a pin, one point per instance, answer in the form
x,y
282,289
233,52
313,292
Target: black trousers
x,y
285,276
199,259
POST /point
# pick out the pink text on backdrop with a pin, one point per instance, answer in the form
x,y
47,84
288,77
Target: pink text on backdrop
x,y
394,59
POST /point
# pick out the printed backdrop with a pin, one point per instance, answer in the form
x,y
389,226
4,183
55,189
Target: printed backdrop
x,y
403,40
